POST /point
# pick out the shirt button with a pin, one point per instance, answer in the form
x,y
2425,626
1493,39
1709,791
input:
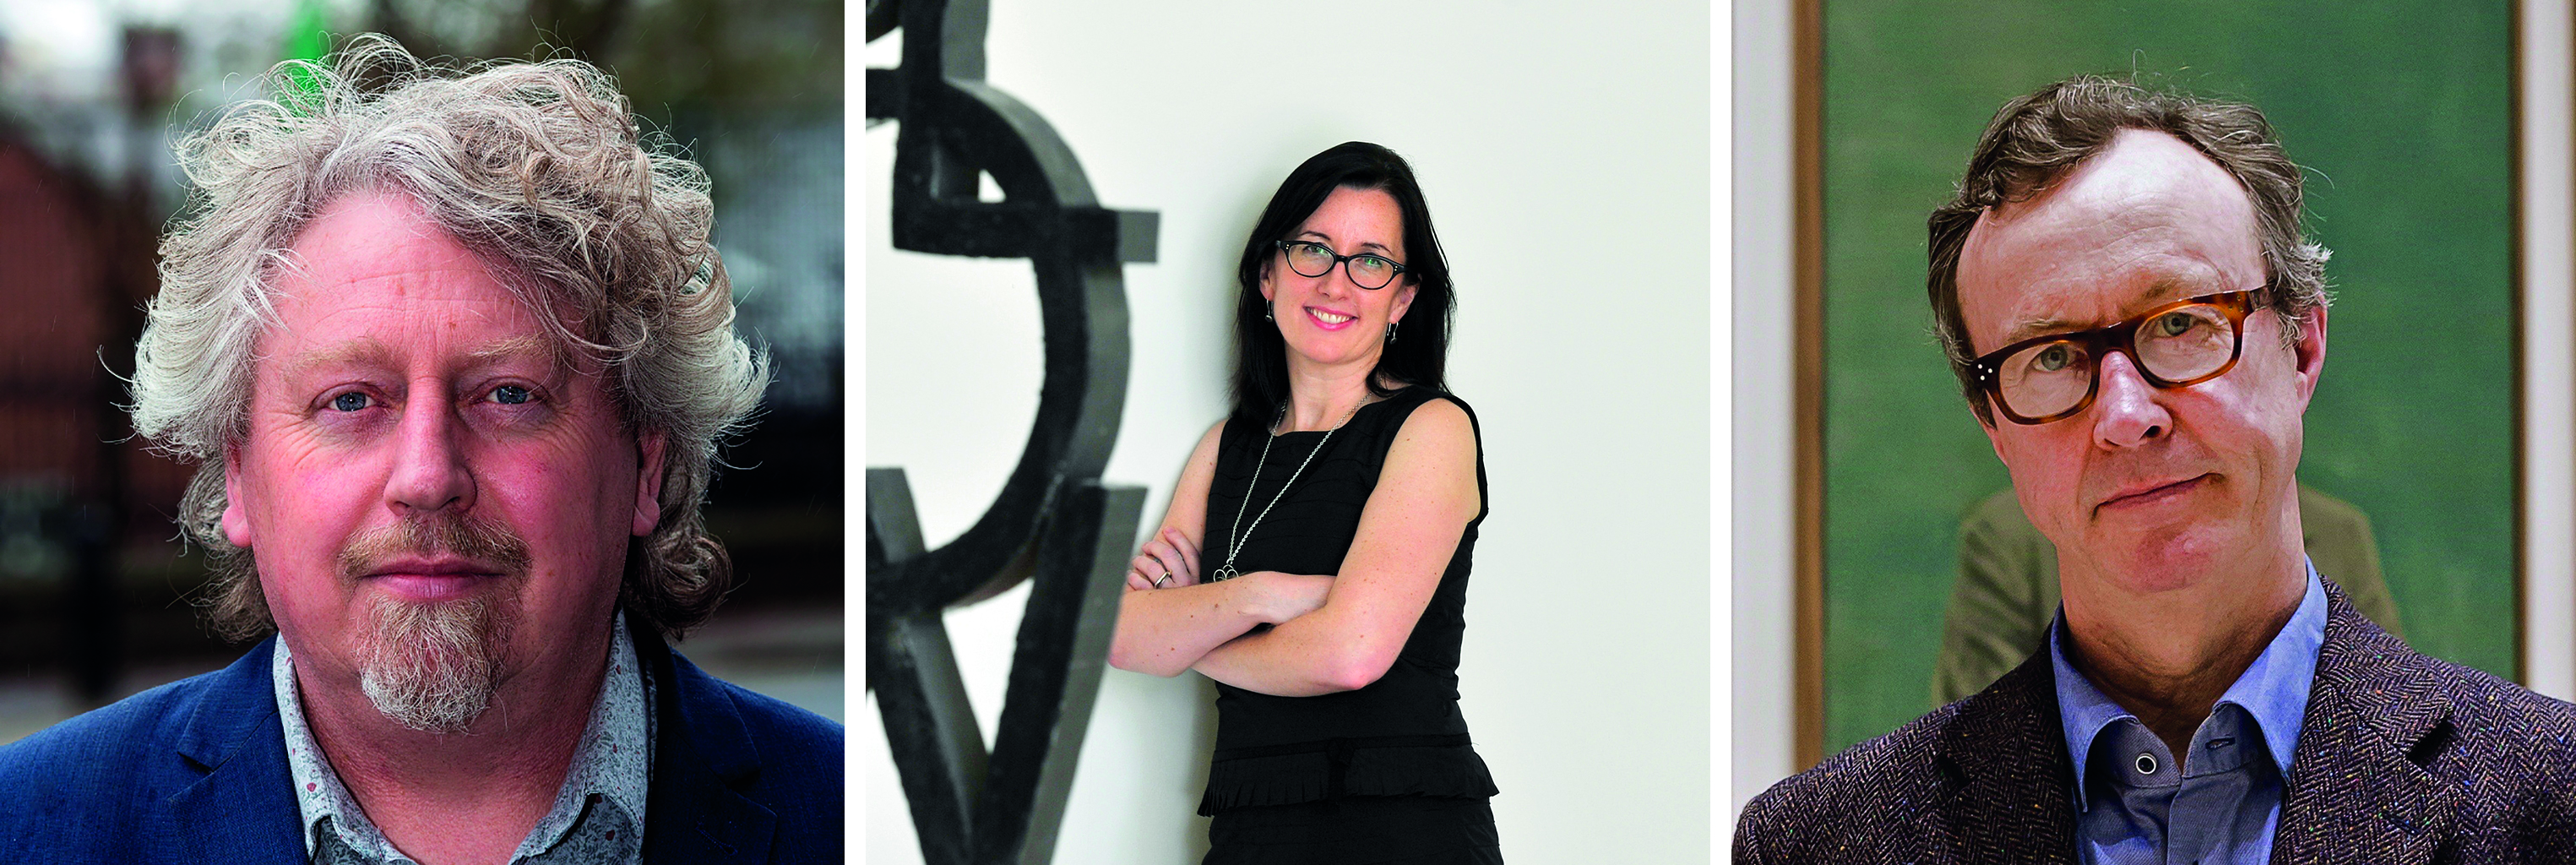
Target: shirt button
x,y
2146,764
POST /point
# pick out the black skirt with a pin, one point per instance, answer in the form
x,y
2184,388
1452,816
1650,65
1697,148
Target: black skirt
x,y
1357,830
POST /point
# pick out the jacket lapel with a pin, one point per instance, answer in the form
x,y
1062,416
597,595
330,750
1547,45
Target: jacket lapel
x,y
701,753
2356,793
241,809
2009,776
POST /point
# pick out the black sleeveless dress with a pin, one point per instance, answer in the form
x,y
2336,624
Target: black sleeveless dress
x,y
1386,772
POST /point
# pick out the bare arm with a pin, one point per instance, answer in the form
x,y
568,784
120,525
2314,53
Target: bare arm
x,y
1164,629
1425,496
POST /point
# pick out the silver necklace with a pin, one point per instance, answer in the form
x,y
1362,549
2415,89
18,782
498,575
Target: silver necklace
x,y
1236,539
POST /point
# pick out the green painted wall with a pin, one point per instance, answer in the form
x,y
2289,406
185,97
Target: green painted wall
x,y
2402,112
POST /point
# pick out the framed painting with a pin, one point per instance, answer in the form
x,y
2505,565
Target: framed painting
x,y
2402,114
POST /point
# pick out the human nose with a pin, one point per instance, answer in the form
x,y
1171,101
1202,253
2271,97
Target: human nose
x,y
1339,282
2125,410
430,470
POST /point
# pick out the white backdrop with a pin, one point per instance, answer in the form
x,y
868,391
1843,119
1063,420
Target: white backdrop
x,y
1564,151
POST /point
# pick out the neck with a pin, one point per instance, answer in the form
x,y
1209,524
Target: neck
x,y
2168,656
1320,398
465,796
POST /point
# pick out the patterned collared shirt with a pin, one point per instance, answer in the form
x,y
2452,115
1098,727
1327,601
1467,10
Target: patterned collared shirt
x,y
2136,804
598,813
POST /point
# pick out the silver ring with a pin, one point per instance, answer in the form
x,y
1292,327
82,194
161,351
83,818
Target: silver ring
x,y
1165,578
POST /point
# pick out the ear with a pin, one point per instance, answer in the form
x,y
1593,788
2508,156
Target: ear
x,y
1266,290
2309,354
236,522
1403,300
648,481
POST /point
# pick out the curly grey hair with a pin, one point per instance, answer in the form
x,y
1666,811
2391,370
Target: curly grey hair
x,y
537,167
2036,139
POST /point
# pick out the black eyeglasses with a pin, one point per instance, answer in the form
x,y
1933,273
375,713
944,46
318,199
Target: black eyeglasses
x,y
1310,259
2047,378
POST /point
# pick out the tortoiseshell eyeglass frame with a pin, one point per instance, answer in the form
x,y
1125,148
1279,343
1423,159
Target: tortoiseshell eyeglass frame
x,y
2121,336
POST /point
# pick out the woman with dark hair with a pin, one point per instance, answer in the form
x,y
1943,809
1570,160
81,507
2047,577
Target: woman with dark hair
x,y
1314,557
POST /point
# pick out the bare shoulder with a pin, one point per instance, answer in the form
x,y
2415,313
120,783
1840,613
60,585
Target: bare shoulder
x,y
1189,495
1206,449
1439,425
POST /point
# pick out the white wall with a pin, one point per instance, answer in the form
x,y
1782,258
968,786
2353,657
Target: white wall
x,y
1762,479
1564,151
2548,387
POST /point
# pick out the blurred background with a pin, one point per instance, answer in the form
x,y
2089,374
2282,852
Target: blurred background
x,y
96,588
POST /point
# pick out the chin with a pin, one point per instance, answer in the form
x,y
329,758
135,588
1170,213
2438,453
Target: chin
x,y
2172,559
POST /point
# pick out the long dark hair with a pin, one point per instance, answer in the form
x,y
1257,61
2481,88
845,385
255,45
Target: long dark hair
x,y
1421,349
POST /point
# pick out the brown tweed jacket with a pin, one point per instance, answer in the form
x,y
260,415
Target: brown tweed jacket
x,y
2401,759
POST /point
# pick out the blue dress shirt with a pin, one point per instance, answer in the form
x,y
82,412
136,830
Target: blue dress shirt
x,y
2135,803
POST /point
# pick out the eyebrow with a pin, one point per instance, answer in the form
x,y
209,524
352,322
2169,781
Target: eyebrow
x,y
2159,293
1328,241
2037,327
514,348
369,351
362,351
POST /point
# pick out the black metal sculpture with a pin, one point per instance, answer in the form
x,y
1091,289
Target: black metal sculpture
x,y
1054,521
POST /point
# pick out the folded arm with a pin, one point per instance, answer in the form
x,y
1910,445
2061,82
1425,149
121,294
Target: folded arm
x,y
1168,620
1163,631
1425,496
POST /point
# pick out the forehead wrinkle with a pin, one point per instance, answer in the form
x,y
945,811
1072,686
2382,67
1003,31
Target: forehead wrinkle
x,y
369,351
2131,233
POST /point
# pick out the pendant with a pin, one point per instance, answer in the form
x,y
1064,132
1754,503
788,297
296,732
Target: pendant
x,y
1224,572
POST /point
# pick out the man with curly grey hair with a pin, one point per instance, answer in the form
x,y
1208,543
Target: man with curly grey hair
x,y
453,353
2138,325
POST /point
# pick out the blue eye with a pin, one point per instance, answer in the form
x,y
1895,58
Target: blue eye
x,y
511,394
351,401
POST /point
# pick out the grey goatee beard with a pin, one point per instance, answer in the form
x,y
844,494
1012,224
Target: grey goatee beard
x,y
434,666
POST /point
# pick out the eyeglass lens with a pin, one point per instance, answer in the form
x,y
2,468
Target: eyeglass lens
x,y
1315,259
2178,345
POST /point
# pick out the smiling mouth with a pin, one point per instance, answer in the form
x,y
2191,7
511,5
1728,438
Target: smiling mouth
x,y
1330,320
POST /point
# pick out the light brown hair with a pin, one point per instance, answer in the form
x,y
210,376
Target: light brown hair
x,y
2035,140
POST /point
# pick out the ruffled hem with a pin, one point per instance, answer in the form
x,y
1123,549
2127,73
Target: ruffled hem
x,y
1287,779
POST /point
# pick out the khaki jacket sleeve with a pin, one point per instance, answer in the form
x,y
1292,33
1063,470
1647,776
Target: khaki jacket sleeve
x,y
2000,606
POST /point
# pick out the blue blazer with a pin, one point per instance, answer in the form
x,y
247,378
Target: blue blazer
x,y
195,771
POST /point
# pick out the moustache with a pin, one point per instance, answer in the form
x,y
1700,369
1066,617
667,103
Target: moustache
x,y
485,545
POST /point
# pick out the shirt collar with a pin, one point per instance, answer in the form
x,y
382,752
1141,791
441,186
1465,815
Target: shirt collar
x,y
2273,690
613,759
